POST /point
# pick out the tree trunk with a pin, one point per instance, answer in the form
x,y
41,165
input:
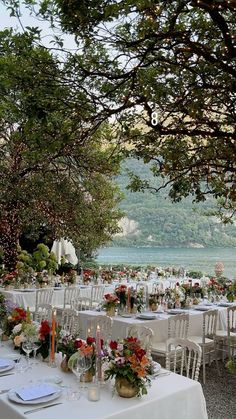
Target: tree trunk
x,y
9,238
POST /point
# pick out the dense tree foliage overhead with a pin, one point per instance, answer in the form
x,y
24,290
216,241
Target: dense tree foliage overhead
x,y
55,165
169,66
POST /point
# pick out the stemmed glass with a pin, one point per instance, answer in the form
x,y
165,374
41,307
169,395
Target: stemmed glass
x,y
36,345
27,347
80,365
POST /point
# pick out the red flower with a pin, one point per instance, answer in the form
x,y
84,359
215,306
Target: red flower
x,y
18,314
140,353
90,340
113,345
44,329
78,343
131,339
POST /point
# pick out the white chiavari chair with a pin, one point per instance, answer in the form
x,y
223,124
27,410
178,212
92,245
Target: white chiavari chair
x,y
183,357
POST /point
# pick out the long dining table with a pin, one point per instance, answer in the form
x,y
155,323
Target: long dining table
x,y
158,322
169,396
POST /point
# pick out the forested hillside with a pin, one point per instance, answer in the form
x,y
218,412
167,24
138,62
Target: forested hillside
x,y
153,220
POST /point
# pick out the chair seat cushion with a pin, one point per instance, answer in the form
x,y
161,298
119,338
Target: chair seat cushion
x,y
221,334
198,339
159,347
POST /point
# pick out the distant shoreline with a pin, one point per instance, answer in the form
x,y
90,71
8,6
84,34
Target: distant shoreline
x,y
197,259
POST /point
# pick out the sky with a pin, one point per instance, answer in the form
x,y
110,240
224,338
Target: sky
x,y
6,22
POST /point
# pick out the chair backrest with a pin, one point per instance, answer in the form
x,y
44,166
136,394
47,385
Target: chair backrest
x,y
144,335
97,293
70,293
43,296
209,324
43,312
178,325
157,286
231,319
183,357
105,324
70,321
81,303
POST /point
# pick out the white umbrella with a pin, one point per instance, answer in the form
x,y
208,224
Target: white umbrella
x,y
64,248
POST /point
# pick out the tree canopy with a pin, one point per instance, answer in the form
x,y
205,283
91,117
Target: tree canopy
x,y
168,66
56,162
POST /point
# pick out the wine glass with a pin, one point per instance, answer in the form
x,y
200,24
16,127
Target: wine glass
x,y
80,365
36,345
27,347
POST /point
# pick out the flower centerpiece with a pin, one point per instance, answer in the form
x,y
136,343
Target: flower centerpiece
x,y
67,344
85,348
70,277
17,316
121,293
130,366
110,302
9,279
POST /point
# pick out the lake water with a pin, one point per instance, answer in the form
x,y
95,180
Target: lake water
x,y
194,259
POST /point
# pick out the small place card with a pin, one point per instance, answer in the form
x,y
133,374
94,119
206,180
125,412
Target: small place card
x,y
36,392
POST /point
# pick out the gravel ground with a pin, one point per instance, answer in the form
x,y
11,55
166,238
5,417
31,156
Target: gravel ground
x,y
220,392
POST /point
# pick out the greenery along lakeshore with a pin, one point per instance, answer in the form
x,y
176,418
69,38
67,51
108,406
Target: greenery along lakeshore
x,y
153,220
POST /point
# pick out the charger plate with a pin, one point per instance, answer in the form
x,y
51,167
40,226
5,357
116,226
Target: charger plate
x,y
13,396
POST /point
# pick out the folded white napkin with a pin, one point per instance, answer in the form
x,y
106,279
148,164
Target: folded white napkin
x,y
36,392
4,363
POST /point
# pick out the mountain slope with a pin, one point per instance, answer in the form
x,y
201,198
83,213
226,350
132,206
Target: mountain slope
x,y
153,220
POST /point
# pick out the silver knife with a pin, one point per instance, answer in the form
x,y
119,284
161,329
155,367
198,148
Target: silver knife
x,y
40,408
8,373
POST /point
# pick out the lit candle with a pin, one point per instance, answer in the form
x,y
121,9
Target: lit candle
x,y
128,300
54,313
99,349
98,340
88,333
94,393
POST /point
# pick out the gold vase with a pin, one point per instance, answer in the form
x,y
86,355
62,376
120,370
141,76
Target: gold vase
x,y
86,377
111,312
124,388
64,364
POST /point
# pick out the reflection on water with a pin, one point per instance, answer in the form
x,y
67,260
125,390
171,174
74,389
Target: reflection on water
x,y
195,259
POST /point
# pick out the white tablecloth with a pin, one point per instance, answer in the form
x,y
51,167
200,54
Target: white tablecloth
x,y
158,325
169,397
27,298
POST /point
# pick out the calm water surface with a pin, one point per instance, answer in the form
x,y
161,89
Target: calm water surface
x,y
194,259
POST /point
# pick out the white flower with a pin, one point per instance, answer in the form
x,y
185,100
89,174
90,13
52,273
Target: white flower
x,y
17,328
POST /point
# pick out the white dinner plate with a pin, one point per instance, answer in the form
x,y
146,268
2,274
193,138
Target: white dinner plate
x,y
224,304
147,316
10,365
13,396
25,289
202,308
126,315
175,311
